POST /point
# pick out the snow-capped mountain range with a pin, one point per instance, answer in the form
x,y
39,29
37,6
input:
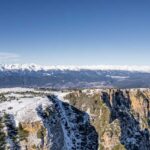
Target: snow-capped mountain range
x,y
34,67
62,77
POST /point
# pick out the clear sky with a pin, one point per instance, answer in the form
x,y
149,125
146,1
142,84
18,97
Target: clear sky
x,y
75,32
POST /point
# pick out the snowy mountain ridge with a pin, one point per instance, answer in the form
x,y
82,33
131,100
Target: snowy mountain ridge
x,y
65,77
34,67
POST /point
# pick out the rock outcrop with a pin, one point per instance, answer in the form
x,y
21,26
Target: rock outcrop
x,y
95,119
121,117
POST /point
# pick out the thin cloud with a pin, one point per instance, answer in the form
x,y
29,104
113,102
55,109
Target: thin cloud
x,y
8,57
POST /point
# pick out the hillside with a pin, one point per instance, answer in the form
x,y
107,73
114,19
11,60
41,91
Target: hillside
x,y
109,119
71,77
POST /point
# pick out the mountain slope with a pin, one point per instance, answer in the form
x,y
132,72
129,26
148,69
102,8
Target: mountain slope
x,y
108,119
121,117
63,77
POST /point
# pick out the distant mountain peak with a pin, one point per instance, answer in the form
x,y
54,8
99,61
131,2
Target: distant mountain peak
x,y
35,67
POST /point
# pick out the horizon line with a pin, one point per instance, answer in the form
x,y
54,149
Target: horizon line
x,y
35,67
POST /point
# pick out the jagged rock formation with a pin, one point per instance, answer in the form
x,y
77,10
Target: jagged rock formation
x,y
121,117
78,132
105,119
44,123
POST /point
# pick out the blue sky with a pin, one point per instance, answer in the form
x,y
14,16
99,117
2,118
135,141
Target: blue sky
x,y
75,32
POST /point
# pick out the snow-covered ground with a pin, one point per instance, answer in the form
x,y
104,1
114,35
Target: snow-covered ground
x,y
16,89
23,105
24,109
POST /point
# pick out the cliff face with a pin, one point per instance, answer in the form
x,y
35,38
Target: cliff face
x,y
120,117
31,120
108,119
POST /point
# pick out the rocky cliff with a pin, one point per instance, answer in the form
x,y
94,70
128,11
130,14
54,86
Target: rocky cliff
x,y
120,117
106,119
